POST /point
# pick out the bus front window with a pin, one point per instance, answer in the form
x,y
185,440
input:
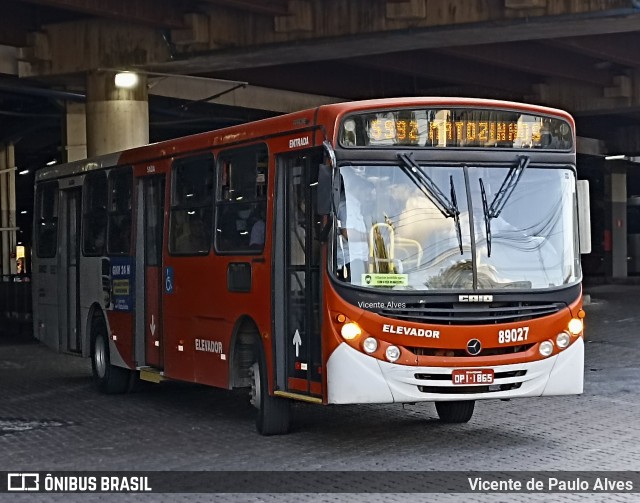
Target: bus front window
x,y
532,242
391,233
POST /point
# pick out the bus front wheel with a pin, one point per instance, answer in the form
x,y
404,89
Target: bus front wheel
x,y
455,412
274,413
108,378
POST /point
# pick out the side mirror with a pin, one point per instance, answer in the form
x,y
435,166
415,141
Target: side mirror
x,y
584,217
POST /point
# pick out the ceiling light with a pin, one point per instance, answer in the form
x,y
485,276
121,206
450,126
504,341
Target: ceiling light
x,y
24,172
126,80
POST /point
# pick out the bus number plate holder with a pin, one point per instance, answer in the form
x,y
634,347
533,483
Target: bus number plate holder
x,y
472,376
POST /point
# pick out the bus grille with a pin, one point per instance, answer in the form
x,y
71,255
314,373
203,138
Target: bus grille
x,y
464,390
481,314
505,350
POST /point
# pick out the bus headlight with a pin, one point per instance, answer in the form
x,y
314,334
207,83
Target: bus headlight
x,y
351,330
546,348
563,339
370,345
575,326
392,353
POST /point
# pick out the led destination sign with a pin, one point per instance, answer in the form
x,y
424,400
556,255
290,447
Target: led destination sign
x,y
446,128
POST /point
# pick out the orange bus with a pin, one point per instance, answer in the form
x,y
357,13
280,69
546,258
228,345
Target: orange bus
x,y
384,251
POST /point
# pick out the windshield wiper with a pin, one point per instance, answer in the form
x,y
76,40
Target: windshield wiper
x,y
456,213
428,187
502,196
487,218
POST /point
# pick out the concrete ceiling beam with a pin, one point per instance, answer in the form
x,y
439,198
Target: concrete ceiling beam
x,y
439,68
611,49
229,93
269,7
165,13
385,42
536,59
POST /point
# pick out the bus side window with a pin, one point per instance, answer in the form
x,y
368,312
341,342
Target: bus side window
x,y
119,222
190,220
242,200
94,219
47,220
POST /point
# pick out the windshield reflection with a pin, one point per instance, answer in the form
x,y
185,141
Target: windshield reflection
x,y
390,234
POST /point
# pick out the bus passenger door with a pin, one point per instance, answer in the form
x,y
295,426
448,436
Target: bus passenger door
x,y
297,294
148,349
70,331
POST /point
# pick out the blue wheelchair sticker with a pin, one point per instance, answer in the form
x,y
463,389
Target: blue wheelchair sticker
x,y
168,280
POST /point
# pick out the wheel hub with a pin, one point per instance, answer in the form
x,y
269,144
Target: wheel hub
x,y
254,372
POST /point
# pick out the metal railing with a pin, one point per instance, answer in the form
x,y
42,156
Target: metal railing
x,y
15,305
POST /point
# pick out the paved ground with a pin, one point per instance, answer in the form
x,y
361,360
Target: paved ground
x,y
52,419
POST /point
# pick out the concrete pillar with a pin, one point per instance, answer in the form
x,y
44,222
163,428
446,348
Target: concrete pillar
x,y
8,209
616,195
75,132
11,162
8,60
4,214
117,119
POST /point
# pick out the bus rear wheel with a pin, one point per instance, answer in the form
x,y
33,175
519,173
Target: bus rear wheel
x,y
455,412
274,414
108,378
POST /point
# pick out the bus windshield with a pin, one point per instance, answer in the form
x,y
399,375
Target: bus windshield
x,y
487,228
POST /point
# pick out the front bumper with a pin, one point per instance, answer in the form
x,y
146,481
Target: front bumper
x,y
354,377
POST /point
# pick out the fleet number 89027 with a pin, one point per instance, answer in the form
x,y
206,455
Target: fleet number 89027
x,y
508,335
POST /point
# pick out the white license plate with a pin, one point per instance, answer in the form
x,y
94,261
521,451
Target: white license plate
x,y
472,376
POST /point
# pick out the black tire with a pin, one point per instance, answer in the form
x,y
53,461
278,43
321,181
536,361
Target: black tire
x,y
274,413
108,378
455,412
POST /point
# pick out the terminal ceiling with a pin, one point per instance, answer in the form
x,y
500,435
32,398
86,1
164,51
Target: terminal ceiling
x,y
580,55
